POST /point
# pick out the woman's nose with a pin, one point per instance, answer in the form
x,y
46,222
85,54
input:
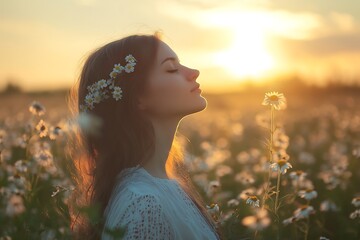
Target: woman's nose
x,y
194,74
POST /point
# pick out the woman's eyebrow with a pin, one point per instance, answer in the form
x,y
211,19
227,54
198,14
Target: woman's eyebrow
x,y
170,58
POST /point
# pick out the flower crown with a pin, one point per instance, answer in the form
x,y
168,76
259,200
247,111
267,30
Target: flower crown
x,y
101,89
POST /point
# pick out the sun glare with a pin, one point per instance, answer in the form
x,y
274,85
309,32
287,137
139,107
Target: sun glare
x,y
248,55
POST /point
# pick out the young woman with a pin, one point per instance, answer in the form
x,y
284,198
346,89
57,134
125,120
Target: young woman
x,y
134,171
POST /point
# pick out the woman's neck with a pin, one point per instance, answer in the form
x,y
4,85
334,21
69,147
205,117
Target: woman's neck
x,y
164,136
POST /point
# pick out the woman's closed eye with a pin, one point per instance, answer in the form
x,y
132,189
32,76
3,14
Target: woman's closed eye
x,y
173,70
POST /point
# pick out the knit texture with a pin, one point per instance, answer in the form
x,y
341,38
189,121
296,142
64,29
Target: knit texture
x,y
148,207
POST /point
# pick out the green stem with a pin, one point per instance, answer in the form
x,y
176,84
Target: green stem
x,y
277,191
306,229
271,133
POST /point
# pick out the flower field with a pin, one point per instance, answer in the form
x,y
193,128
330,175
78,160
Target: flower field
x,y
266,172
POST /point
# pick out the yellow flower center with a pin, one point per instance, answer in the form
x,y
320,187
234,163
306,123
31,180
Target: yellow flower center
x,y
253,198
274,98
303,208
282,162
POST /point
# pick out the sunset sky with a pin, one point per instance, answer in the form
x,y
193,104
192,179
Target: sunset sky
x,y
43,42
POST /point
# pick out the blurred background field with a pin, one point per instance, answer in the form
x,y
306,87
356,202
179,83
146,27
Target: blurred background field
x,y
307,50
224,143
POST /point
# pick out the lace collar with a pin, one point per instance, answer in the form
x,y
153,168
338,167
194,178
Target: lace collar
x,y
143,171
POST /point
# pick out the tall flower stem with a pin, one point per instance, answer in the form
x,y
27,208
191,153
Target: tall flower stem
x,y
306,229
276,207
270,148
270,151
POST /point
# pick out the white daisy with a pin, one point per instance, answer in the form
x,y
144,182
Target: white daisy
x,y
42,128
233,202
21,166
37,109
89,100
130,58
118,68
212,187
253,201
308,194
117,93
328,205
257,222
355,214
213,209
97,97
275,99
102,83
54,132
113,74
289,220
297,175
356,202
304,212
281,166
129,67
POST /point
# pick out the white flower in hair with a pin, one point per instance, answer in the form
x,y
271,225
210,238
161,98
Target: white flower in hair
x,y
99,90
102,83
97,97
129,67
130,58
117,93
113,74
89,101
118,68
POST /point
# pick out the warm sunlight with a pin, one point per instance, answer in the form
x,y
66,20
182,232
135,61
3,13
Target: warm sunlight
x,y
247,56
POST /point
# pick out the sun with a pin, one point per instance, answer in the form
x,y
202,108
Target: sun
x,y
247,56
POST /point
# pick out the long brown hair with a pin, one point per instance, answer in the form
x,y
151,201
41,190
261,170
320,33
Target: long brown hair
x,y
127,136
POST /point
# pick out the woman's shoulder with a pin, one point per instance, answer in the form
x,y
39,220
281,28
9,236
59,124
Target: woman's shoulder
x,y
138,180
133,182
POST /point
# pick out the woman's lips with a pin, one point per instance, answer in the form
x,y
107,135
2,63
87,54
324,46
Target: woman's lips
x,y
196,88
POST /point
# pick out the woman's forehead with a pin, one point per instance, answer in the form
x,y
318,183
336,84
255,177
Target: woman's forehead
x,y
165,52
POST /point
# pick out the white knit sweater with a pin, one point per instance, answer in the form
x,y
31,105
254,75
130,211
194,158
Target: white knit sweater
x,y
154,208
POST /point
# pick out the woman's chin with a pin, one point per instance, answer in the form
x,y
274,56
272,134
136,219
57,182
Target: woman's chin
x,y
199,105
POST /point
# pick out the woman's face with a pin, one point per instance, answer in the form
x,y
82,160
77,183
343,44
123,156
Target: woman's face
x,y
171,85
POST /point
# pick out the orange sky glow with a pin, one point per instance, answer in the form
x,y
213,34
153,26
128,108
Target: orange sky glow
x,y
43,43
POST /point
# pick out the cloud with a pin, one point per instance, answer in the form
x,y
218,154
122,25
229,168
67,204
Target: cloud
x,y
321,47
